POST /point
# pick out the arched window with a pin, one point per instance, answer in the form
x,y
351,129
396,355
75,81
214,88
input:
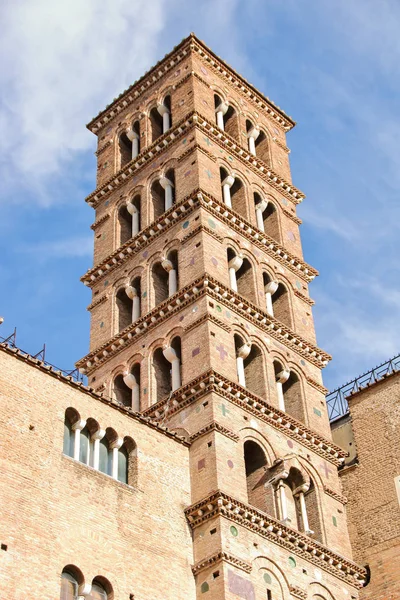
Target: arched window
x,y
245,281
97,593
254,372
156,122
289,392
256,464
271,222
167,369
161,118
262,148
312,512
68,445
165,277
277,300
127,464
125,149
86,446
126,388
124,309
163,194
122,393
72,429
71,579
233,192
129,220
105,456
221,109
231,123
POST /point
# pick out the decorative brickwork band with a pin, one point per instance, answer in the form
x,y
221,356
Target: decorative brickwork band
x,y
221,557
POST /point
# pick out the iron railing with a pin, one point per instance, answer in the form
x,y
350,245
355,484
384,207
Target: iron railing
x,y
337,400
11,342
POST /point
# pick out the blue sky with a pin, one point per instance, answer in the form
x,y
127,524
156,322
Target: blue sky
x,y
333,66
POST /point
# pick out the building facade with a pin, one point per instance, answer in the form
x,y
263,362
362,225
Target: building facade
x,y
370,432
199,458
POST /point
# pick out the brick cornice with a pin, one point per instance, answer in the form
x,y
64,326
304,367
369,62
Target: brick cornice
x,y
205,285
339,497
297,592
219,557
219,504
179,211
190,121
214,426
84,389
213,382
170,61
101,149
99,222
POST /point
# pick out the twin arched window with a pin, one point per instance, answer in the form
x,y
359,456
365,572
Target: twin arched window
x,y
101,449
72,585
129,144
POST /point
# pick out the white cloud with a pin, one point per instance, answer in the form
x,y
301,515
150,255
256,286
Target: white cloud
x,y
64,58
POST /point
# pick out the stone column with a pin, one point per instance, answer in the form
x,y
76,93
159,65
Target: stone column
x,y
281,378
115,446
132,210
168,266
132,383
168,187
242,353
260,207
134,138
171,356
164,112
270,289
303,511
220,111
226,190
96,437
282,501
132,293
252,136
77,428
234,265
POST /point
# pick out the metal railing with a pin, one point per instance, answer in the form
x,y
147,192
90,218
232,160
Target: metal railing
x,y
337,400
11,342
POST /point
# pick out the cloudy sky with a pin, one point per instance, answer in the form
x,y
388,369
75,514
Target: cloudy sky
x,y
332,65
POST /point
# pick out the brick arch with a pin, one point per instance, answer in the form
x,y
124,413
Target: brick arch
x,y
319,591
177,331
249,433
219,91
165,91
263,564
316,506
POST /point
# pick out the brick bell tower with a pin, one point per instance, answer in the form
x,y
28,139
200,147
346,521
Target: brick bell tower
x,y
201,320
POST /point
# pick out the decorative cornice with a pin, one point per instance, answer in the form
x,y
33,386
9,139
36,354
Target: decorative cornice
x,y
79,386
99,222
205,318
101,149
214,426
165,65
179,211
297,592
97,302
281,145
317,385
291,216
219,504
221,556
213,382
205,285
192,120
342,499
205,229
305,298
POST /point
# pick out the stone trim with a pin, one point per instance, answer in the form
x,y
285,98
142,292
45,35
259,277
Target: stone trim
x,y
297,592
103,147
214,426
78,385
317,385
221,557
212,288
99,222
225,141
216,208
303,297
97,302
219,504
213,382
164,66
342,499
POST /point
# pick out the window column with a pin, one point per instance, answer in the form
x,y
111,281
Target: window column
x,y
281,378
133,295
252,136
241,354
115,446
134,212
164,112
168,187
132,383
226,190
133,136
234,265
171,356
77,427
168,266
270,289
303,510
220,111
96,437
260,207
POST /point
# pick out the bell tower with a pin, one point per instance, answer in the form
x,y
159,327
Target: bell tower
x,y
201,320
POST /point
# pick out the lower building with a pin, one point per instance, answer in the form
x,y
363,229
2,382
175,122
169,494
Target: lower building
x,y
370,432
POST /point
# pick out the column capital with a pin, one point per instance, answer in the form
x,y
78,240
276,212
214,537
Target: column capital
x,y
79,425
162,109
130,380
229,180
283,376
253,133
131,134
131,292
99,434
236,262
223,108
167,264
165,182
244,350
116,443
170,354
271,287
131,208
262,205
